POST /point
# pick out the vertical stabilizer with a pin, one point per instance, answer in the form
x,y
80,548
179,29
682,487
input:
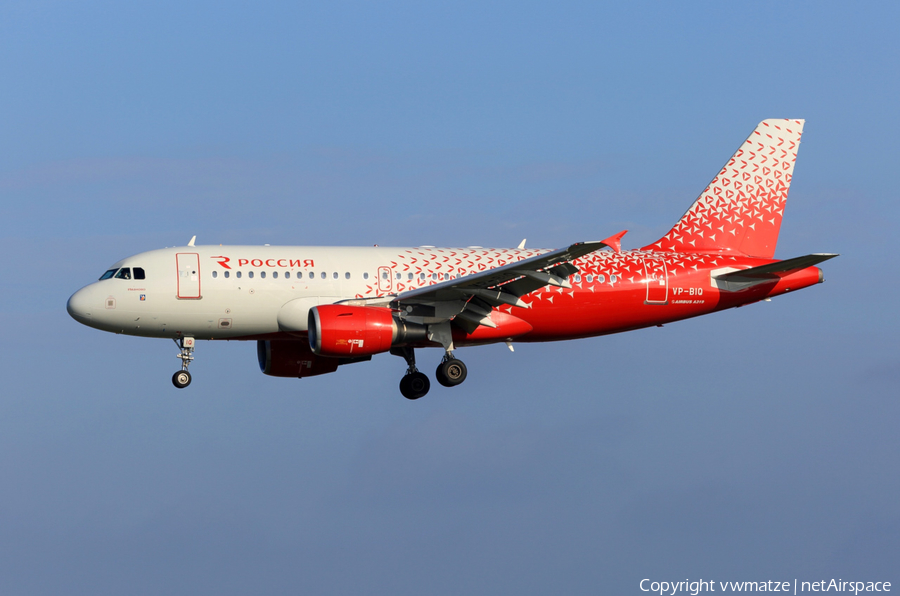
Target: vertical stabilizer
x,y
740,211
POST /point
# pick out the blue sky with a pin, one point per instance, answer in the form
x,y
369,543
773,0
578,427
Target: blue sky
x,y
758,443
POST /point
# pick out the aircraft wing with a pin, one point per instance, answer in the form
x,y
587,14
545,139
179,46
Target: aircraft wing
x,y
469,299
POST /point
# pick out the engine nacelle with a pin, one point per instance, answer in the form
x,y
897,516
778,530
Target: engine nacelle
x,y
337,330
286,358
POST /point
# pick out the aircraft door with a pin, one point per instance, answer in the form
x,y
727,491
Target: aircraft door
x,y
188,264
384,279
657,279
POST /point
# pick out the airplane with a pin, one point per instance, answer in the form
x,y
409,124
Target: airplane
x,y
313,309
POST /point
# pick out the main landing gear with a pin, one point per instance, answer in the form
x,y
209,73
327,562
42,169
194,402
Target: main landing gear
x,y
450,373
414,384
182,378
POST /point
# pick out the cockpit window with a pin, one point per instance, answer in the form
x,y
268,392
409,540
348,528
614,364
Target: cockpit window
x,y
108,274
124,273
138,272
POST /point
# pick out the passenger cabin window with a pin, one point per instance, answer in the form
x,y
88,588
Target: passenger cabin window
x,y
124,273
237,274
366,275
334,275
250,274
262,274
322,275
108,274
287,274
347,275
226,275
215,274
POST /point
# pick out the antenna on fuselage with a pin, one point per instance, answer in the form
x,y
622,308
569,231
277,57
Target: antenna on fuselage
x,y
191,243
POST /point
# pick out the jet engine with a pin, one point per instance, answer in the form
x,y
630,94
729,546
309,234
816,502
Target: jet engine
x,y
337,330
286,358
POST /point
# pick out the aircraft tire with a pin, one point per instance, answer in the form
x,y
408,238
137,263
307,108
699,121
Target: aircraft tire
x,y
414,386
451,373
439,375
181,379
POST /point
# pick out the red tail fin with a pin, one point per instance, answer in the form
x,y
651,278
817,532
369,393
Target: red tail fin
x,y
740,211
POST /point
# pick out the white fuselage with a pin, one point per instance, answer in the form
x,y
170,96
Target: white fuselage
x,y
231,292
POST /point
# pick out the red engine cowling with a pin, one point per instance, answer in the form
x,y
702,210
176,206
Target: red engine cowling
x,y
337,330
281,358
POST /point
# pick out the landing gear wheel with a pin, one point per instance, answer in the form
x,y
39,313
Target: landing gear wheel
x,y
181,379
414,385
451,373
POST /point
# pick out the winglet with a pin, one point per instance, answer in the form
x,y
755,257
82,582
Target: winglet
x,y
191,243
615,242
522,243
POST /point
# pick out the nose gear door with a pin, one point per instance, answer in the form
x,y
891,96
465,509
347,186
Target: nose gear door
x,y
188,264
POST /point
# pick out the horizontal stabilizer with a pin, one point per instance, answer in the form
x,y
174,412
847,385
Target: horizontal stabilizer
x,y
778,269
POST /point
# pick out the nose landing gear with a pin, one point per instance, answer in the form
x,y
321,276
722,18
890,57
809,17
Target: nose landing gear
x,y
182,378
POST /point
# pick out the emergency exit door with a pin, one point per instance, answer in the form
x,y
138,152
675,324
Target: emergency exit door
x,y
384,279
657,280
188,275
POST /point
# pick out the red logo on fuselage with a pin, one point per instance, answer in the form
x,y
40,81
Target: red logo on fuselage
x,y
223,261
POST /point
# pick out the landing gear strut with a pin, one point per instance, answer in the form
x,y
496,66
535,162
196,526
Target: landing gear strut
x,y
450,372
414,384
182,378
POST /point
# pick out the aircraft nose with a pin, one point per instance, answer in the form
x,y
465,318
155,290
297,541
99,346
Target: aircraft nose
x,y
80,305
